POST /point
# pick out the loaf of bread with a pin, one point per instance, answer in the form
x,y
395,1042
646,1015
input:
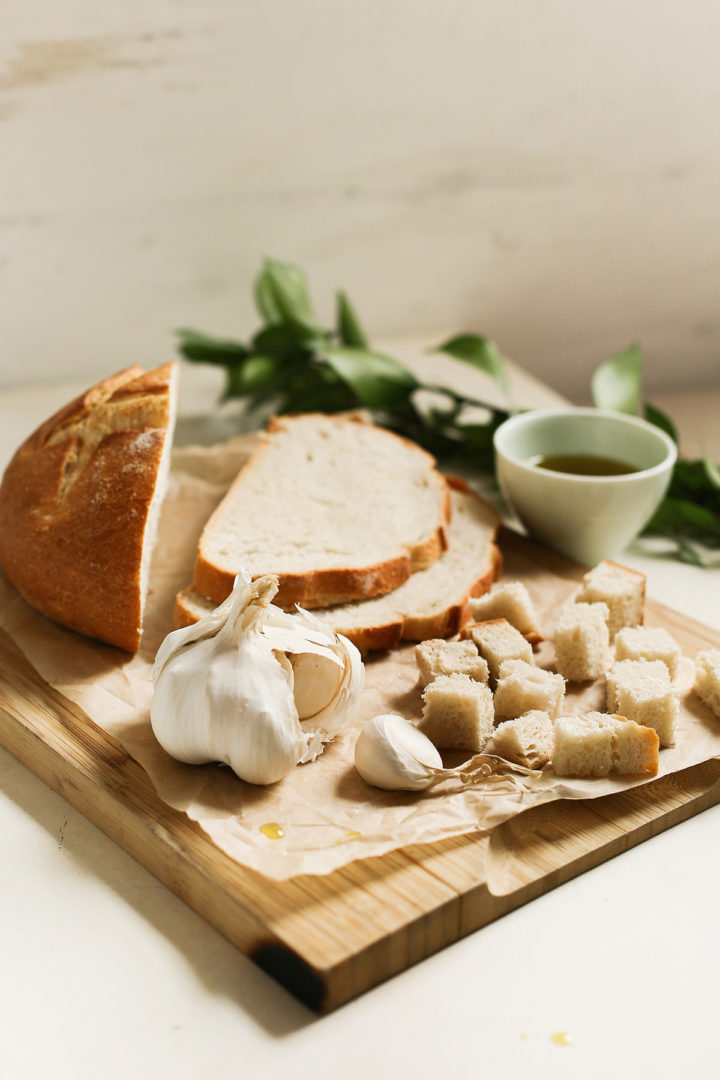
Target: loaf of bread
x,y
79,505
337,508
432,603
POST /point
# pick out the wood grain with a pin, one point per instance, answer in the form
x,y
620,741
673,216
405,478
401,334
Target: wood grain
x,y
329,939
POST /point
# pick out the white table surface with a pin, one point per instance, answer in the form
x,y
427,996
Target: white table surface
x,y
106,974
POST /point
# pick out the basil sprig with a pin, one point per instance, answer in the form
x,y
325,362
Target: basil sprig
x,y
293,364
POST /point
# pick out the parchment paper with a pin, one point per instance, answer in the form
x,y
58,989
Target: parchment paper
x,y
328,815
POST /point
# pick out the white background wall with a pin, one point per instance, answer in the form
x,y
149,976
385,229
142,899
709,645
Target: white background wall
x,y
545,171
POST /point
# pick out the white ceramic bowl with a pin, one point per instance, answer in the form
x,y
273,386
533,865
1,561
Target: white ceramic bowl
x,y
585,517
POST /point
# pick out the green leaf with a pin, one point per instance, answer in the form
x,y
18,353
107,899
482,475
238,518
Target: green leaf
x,y
660,419
617,383
203,349
712,472
254,374
481,353
378,381
679,514
282,295
286,339
687,554
349,328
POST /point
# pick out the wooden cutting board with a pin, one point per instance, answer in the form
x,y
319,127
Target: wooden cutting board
x,y
329,939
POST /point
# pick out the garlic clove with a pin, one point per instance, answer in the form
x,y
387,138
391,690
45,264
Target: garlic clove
x,y
391,753
316,679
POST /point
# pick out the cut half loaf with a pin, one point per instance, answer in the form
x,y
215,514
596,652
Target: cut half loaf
x,y
433,603
80,500
337,508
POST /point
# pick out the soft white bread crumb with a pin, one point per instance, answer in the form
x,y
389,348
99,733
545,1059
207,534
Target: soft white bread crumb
x,y
522,687
582,747
622,589
635,747
641,691
707,679
648,643
582,640
497,641
527,741
509,600
440,657
457,713
597,744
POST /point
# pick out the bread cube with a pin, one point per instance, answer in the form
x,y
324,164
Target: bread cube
x,y
641,691
581,641
497,641
582,747
648,643
635,747
457,713
527,741
522,687
707,679
439,657
596,744
509,600
622,589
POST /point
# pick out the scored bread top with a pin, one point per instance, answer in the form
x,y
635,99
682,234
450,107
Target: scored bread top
x,y
337,508
432,603
79,502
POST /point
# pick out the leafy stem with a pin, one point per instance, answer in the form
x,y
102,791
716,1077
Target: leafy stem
x,y
293,364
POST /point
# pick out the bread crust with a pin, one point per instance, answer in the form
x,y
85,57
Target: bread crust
x,y
74,504
324,587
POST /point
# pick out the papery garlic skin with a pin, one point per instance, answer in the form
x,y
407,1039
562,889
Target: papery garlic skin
x,y
224,687
392,754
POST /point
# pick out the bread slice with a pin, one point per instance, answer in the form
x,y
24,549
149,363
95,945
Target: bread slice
x,y
509,600
582,641
621,588
440,657
433,603
337,508
457,713
79,505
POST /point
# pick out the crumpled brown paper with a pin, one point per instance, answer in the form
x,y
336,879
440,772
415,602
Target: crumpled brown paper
x,y
327,814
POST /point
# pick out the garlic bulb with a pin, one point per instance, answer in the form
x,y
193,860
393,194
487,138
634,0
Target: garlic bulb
x,y
391,753
253,686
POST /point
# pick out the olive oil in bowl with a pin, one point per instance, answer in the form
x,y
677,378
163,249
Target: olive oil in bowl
x,y
584,465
